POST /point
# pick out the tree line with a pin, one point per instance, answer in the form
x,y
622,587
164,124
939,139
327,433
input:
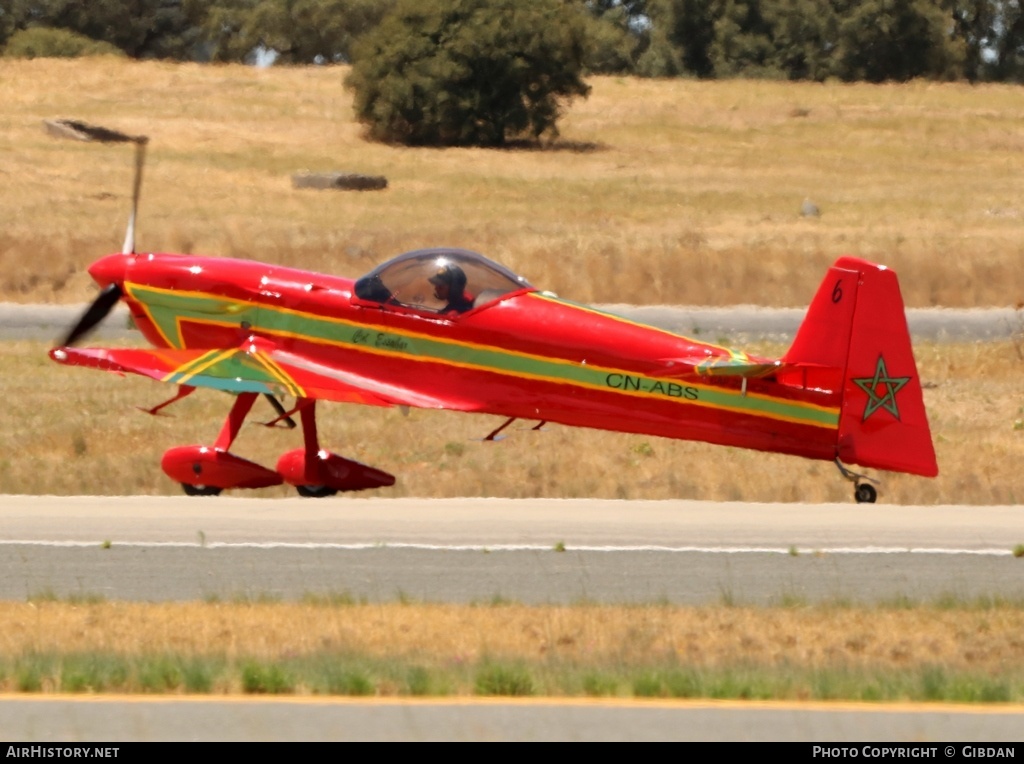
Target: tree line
x,y
850,40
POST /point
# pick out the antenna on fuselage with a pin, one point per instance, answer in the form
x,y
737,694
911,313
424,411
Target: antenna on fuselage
x,y
112,293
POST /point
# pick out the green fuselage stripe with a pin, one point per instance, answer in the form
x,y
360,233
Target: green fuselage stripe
x,y
167,309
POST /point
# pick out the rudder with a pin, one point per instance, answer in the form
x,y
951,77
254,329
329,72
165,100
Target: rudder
x,y
855,339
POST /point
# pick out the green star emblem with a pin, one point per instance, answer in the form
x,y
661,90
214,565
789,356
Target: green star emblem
x,y
881,390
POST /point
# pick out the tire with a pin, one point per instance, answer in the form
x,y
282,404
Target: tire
x,y
201,490
865,494
315,491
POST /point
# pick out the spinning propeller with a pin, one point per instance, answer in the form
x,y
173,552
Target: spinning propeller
x,y
95,313
109,296
108,269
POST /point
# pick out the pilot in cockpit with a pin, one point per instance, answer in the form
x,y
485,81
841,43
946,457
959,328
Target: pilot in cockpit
x,y
372,288
450,287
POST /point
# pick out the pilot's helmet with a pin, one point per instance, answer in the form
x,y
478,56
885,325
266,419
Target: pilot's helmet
x,y
452,275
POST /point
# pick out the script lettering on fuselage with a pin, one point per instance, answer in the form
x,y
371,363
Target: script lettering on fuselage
x,y
651,386
379,340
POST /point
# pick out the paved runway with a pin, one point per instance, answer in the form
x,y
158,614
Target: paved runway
x,y
533,551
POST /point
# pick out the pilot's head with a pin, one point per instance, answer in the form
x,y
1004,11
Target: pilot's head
x,y
449,280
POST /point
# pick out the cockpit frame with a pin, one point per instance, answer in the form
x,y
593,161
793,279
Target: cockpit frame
x,y
405,281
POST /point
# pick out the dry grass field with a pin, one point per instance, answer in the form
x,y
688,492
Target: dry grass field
x,y
77,431
669,191
984,638
960,653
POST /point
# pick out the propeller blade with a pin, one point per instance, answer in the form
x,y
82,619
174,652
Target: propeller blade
x,y
95,313
140,160
82,131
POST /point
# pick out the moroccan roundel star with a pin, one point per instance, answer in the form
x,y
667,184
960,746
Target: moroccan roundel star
x,y
881,390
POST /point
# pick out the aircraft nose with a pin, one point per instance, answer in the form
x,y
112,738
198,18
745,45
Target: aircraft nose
x,y
109,270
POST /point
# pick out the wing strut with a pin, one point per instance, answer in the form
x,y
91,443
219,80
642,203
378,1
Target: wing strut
x,y
494,433
183,390
282,415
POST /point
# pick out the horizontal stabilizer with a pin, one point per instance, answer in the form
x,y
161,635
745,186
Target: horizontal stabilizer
x,y
719,367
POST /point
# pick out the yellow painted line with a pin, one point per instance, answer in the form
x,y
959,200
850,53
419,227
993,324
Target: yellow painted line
x,y
832,411
384,352
986,709
196,366
279,374
640,394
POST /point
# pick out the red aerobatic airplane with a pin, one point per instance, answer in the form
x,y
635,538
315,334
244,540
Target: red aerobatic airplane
x,y
449,329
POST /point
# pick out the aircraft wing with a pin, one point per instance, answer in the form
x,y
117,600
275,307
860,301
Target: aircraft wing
x,y
256,367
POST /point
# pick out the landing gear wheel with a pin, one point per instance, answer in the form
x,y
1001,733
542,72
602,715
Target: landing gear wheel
x,y
201,490
315,491
863,491
865,494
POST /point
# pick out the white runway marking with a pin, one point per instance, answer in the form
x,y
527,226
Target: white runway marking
x,y
797,552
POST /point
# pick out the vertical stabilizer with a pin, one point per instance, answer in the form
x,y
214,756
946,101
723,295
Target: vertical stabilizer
x,y
855,340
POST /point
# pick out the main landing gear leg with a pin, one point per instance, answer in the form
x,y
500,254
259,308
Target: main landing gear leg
x,y
863,491
233,423
307,415
183,391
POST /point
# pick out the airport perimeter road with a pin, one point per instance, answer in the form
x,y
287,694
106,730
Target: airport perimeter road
x,y
45,323
102,719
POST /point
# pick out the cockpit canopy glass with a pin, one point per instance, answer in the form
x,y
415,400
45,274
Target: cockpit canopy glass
x,y
440,280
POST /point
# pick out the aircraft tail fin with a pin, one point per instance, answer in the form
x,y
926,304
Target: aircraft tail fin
x,y
855,340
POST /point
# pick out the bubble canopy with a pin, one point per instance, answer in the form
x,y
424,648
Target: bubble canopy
x,y
411,279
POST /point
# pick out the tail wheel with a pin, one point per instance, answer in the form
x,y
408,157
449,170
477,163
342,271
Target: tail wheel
x,y
315,491
865,494
201,490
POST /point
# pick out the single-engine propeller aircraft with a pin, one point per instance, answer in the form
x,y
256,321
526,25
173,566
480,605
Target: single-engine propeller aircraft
x,y
449,329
